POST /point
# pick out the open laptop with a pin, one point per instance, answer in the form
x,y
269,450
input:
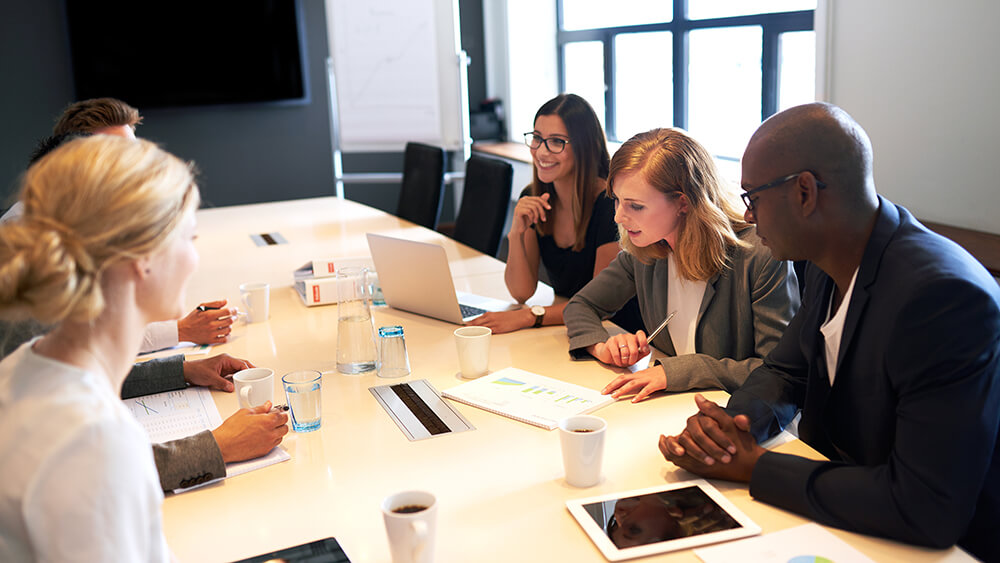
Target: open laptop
x,y
415,277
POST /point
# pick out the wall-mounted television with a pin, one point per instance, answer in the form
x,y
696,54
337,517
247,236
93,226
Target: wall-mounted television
x,y
168,53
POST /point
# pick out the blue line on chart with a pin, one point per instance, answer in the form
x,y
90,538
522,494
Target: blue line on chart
x,y
143,405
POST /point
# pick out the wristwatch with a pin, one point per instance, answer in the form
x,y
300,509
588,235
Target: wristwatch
x,y
539,313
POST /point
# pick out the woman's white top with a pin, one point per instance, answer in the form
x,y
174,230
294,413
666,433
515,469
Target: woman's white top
x,y
79,482
685,297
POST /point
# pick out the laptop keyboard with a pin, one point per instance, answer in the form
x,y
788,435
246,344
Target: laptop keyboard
x,y
470,311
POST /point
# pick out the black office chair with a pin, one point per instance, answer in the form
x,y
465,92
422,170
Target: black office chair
x,y
422,191
485,202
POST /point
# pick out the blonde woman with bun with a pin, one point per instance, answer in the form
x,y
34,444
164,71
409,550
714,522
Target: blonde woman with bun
x,y
105,246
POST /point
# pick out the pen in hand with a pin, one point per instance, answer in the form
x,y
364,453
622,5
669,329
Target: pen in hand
x,y
278,408
203,308
662,326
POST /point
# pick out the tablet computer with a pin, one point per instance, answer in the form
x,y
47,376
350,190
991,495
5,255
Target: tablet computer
x,y
660,519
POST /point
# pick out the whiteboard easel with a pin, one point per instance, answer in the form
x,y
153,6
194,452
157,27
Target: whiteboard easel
x,y
397,74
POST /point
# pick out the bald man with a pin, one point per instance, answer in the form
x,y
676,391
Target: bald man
x,y
893,359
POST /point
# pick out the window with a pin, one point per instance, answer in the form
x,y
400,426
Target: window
x,y
714,67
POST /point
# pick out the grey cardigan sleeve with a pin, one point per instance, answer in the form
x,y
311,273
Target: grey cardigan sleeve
x,y
154,376
742,325
185,462
601,298
188,461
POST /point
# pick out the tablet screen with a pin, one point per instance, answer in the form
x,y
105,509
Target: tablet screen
x,y
659,516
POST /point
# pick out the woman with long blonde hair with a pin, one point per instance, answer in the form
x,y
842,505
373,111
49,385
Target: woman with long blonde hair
x,y
687,253
104,247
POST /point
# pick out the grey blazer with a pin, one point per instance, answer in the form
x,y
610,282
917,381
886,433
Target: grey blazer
x,y
181,463
742,316
187,461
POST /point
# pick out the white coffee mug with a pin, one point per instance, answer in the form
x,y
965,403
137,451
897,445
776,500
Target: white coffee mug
x,y
473,344
410,521
254,386
257,300
582,439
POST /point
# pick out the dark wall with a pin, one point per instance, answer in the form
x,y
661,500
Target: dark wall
x,y
246,153
251,153
34,66
471,22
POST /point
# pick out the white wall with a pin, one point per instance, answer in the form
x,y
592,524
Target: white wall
x,y
923,77
520,58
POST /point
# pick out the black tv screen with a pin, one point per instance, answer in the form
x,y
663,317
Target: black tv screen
x,y
164,53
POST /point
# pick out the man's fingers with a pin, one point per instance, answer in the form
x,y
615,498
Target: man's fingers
x,y
703,433
716,432
670,447
261,409
709,408
742,422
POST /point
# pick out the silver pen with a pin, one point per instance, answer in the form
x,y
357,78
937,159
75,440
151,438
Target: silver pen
x,y
662,326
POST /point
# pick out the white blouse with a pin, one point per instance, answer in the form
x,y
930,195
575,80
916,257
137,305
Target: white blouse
x,y
79,482
685,297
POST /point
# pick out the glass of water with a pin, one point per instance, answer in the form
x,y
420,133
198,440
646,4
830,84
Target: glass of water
x,y
304,391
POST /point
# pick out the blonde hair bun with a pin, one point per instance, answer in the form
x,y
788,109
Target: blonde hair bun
x,y
88,204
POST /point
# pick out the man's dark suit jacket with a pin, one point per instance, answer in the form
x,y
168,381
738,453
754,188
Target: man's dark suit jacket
x,y
910,424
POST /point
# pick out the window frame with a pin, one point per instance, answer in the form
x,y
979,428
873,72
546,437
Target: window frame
x,y
772,26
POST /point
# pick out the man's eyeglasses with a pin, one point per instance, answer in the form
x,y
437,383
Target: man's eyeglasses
x,y
750,203
554,144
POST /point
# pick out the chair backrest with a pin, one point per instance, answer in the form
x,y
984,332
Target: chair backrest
x,y
422,191
485,202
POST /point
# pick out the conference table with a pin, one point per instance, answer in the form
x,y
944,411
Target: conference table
x,y
500,489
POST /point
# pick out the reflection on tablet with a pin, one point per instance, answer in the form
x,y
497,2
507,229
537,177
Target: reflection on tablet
x,y
660,516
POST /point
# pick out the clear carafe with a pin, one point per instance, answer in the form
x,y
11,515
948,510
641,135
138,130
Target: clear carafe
x,y
356,351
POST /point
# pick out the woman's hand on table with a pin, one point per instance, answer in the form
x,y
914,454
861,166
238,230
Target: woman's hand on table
x,y
641,383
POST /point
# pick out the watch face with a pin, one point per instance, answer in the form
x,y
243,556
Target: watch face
x,y
538,310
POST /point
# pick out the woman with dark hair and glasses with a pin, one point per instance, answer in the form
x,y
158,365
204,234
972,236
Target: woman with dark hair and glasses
x,y
563,221
688,255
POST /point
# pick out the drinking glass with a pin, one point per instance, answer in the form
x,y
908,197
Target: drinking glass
x,y
304,391
392,358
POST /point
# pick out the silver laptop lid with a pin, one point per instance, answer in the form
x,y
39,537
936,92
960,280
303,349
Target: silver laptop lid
x,y
415,277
